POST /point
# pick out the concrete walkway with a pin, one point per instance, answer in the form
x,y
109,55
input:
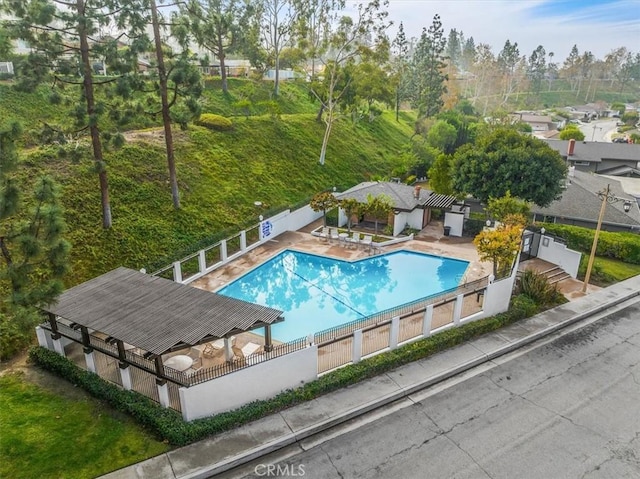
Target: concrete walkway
x,y
224,451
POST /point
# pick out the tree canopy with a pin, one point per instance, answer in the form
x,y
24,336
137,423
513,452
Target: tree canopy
x,y
504,160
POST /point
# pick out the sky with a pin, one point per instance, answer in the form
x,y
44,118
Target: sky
x,y
598,26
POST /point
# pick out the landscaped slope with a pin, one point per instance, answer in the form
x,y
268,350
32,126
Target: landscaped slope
x,y
221,175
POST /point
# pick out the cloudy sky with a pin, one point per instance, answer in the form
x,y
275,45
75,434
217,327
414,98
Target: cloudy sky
x,y
595,25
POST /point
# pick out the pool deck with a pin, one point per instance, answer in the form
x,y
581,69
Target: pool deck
x,y
429,240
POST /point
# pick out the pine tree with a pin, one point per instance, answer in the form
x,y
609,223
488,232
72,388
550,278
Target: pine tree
x,y
33,253
65,38
217,26
400,50
428,70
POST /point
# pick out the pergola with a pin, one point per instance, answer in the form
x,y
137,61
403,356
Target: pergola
x,y
154,314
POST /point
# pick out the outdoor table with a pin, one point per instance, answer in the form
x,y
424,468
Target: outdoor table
x,y
180,362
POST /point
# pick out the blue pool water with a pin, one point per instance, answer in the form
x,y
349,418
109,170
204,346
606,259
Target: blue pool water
x,y
317,293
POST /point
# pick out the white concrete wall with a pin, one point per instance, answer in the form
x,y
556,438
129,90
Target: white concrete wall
x,y
262,381
455,221
302,217
498,294
558,253
414,219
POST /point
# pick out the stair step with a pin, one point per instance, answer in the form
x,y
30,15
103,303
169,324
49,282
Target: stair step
x,y
559,278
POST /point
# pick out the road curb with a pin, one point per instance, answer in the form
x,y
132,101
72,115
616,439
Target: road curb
x,y
402,393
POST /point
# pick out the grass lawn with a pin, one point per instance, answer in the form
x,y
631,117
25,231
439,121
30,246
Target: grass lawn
x,y
46,435
607,271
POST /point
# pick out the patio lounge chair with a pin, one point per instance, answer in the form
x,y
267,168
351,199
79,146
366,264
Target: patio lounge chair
x,y
367,240
333,234
354,240
250,348
325,233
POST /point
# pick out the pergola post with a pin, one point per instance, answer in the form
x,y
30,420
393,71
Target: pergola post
x,y
228,350
268,346
88,350
55,335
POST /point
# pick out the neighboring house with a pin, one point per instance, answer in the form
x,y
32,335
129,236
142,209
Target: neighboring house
x,y
538,123
412,205
580,204
618,159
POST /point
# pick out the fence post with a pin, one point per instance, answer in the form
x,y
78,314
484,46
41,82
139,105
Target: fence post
x,y
177,272
202,261
457,309
125,376
163,393
223,250
426,321
357,346
89,358
243,240
394,332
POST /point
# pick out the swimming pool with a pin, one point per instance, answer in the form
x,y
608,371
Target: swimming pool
x,y
317,293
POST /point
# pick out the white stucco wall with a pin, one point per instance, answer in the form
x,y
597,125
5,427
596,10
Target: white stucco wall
x,y
262,381
455,221
558,253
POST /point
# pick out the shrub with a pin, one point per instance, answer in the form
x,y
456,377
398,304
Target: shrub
x,y
168,424
618,245
214,122
536,287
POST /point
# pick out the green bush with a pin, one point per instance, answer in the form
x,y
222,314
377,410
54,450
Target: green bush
x,y
214,122
535,286
618,245
169,425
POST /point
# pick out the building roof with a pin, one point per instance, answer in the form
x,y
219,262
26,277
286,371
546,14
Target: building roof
x,y
580,201
402,196
595,152
534,118
156,314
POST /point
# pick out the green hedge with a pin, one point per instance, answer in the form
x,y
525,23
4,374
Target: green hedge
x,y
619,245
169,425
214,122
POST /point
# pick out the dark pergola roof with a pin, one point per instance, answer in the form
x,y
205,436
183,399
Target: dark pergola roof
x,y
154,313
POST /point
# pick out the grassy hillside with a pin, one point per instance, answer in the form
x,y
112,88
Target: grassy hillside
x,y
220,175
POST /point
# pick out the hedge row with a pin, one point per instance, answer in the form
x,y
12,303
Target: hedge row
x,y
618,245
169,425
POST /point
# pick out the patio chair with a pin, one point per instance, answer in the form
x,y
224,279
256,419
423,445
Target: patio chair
x,y
325,233
354,240
367,240
333,234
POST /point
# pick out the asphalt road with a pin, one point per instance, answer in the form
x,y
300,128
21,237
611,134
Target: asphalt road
x,y
599,130
567,409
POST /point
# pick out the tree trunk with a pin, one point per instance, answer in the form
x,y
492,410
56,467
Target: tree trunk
x,y
96,143
276,86
325,139
320,112
397,103
223,68
166,117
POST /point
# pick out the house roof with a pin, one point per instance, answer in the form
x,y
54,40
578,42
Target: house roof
x,y
595,152
580,201
156,314
534,118
402,196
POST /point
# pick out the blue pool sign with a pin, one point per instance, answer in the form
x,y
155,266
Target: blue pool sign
x,y
267,228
